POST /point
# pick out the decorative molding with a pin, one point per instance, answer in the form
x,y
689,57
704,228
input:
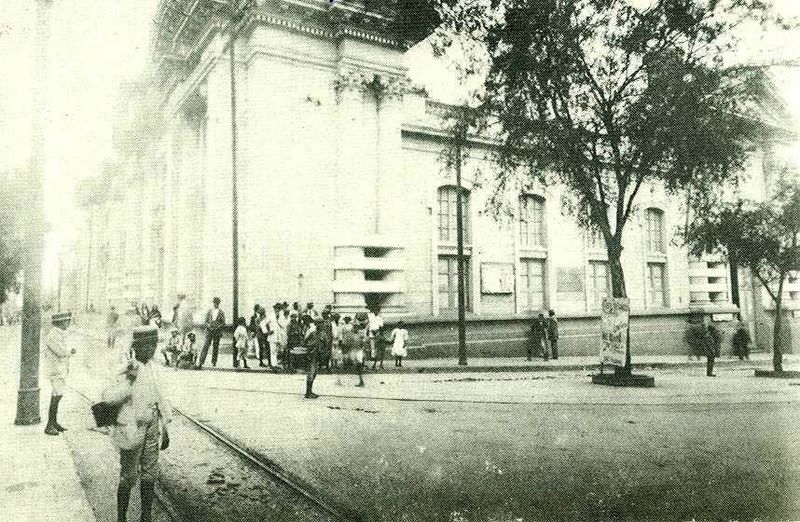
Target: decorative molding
x,y
383,86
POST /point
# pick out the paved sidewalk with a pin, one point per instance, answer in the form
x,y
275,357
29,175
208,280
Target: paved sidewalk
x,y
38,482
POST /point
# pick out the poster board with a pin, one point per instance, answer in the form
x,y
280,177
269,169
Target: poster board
x,y
615,321
497,278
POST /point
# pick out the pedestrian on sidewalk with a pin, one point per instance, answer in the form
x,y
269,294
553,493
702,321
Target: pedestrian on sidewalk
x,y
240,343
314,342
57,354
281,336
336,342
741,342
294,333
552,333
374,326
111,327
399,340
140,431
712,347
215,323
539,338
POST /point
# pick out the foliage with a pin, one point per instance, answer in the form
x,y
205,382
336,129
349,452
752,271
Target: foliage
x,y
696,338
605,97
11,212
763,236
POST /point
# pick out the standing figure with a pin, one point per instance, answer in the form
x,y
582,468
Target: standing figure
x,y
111,327
140,431
399,340
253,327
712,346
240,341
374,327
552,333
313,341
741,342
281,336
336,341
57,354
215,323
539,338
294,334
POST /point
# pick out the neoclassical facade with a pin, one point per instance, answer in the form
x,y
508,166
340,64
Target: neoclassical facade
x,y
328,185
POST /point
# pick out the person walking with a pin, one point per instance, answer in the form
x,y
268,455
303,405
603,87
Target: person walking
x,y
215,323
183,317
140,431
56,355
712,347
111,327
552,333
741,342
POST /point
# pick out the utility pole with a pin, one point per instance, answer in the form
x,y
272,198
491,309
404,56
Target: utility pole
x,y
28,394
462,327
234,187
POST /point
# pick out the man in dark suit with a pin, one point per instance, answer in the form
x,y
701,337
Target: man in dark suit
x,y
215,323
552,333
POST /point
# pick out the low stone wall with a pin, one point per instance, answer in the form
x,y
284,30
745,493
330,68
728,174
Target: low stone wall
x,y
652,334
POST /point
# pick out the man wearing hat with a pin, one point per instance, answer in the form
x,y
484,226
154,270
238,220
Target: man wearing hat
x,y
140,429
215,323
57,354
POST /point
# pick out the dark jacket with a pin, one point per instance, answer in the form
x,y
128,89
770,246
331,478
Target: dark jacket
x,y
539,330
741,339
215,326
552,328
713,341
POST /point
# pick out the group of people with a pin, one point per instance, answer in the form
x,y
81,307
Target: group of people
x,y
286,336
544,337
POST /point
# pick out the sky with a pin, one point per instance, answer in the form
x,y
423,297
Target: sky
x,y
96,45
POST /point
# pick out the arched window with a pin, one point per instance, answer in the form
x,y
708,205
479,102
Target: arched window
x,y
447,214
655,231
531,221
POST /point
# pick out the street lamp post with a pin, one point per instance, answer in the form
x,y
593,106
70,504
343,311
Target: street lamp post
x,y
28,394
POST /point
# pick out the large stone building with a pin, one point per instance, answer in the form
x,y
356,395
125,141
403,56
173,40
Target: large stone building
x,y
342,196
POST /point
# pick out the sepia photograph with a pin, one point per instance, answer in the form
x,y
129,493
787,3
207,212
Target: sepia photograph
x,y
399,260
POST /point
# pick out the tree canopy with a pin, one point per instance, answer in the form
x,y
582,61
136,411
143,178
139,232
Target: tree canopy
x,y
763,236
604,97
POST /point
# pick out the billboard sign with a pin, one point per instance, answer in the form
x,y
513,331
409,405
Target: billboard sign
x,y
616,317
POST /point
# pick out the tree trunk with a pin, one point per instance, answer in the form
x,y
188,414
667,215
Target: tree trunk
x,y
617,273
618,290
777,355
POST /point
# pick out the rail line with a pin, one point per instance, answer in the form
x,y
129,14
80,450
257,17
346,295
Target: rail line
x,y
334,512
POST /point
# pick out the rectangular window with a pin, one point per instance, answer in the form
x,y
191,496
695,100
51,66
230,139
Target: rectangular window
x,y
448,283
531,221
657,284
655,231
447,215
599,283
532,284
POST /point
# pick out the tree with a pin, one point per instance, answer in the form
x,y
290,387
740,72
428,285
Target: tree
x,y
762,236
605,97
10,234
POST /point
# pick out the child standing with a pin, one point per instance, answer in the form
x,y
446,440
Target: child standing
x,y
240,340
399,338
